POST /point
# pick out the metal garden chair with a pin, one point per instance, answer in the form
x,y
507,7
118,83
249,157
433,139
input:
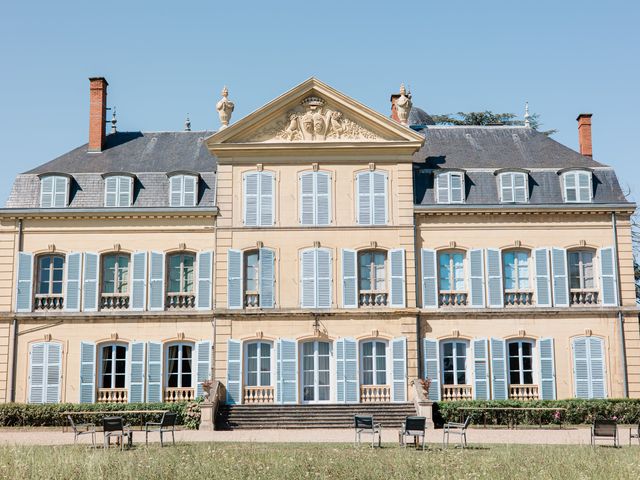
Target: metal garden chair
x,y
365,424
80,429
413,427
167,424
456,429
604,429
114,427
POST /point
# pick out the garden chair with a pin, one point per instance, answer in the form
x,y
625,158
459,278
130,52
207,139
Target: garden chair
x,y
413,427
604,429
166,424
456,429
634,433
82,429
114,427
365,424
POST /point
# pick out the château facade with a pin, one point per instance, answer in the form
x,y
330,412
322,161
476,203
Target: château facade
x,y
317,251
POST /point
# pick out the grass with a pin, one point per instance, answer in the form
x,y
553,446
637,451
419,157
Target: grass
x,y
253,461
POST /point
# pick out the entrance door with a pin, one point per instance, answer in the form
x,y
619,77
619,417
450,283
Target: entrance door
x,y
316,375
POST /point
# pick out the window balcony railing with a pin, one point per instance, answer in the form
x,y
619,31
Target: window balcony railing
x,y
456,392
251,299
174,395
450,298
373,299
179,301
114,301
48,302
253,395
583,297
375,393
112,395
518,298
523,392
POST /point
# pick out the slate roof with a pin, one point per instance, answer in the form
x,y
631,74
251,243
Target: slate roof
x,y
148,155
482,150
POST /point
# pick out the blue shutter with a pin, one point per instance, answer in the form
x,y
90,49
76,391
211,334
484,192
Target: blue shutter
x,y
351,394
175,190
87,372
190,190
323,198
480,369
203,365
476,276
250,183
156,281
349,278
543,283
608,280
234,279
431,357
582,382
340,366
560,281
205,280
399,369
547,370
60,192
307,199
499,385
46,192
397,278
266,209
308,278
234,372
139,282
287,371
442,188
24,292
111,192
429,279
267,278
37,360
494,277
323,278
379,195
154,372
90,283
596,367
363,198
136,375
53,372
73,279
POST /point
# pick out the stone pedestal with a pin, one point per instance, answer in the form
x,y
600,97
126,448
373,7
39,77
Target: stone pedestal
x,y
424,408
206,417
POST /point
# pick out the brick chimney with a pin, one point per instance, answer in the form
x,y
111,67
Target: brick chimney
x,y
97,113
584,134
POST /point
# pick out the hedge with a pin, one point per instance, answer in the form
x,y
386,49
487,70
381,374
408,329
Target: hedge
x,y
50,415
625,411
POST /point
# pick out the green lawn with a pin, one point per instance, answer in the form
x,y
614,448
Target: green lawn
x,y
286,461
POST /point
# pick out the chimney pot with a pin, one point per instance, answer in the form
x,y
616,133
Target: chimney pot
x,y
97,113
584,134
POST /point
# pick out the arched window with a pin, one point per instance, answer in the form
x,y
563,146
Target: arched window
x,y
115,273
454,363
581,270
520,362
179,365
258,361
516,270
316,371
374,362
50,275
113,366
372,278
181,273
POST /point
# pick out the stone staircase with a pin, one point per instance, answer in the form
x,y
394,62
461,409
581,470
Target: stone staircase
x,y
231,417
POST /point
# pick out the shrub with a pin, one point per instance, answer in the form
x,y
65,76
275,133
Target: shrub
x,y
50,415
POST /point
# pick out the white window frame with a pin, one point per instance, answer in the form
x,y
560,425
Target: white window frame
x,y
576,174
452,277
448,188
118,179
372,271
180,360
113,360
182,255
517,266
455,343
374,371
54,192
521,370
316,360
272,359
581,267
180,178
512,188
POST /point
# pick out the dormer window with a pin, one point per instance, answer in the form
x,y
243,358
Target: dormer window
x,y
450,187
513,187
577,186
54,191
118,191
183,190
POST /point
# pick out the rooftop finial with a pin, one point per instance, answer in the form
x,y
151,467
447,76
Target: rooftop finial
x,y
225,108
187,124
527,117
113,120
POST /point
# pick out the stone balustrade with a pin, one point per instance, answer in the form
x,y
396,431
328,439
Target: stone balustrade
x,y
523,392
112,395
373,299
253,395
48,302
375,393
252,299
179,301
452,299
114,301
456,392
513,298
173,395
582,297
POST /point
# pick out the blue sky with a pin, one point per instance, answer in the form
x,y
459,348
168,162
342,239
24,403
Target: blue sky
x,y
166,59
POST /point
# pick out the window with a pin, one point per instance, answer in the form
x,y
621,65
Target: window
x,y
577,186
371,199
179,366
520,363
115,274
181,273
452,271
581,275
450,187
54,191
183,190
374,363
516,270
373,272
259,364
251,271
454,363
251,278
589,367
315,272
316,371
513,187
45,371
315,191
117,191
113,366
50,275
258,199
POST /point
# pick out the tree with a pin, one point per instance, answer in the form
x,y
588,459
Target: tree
x,y
488,118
